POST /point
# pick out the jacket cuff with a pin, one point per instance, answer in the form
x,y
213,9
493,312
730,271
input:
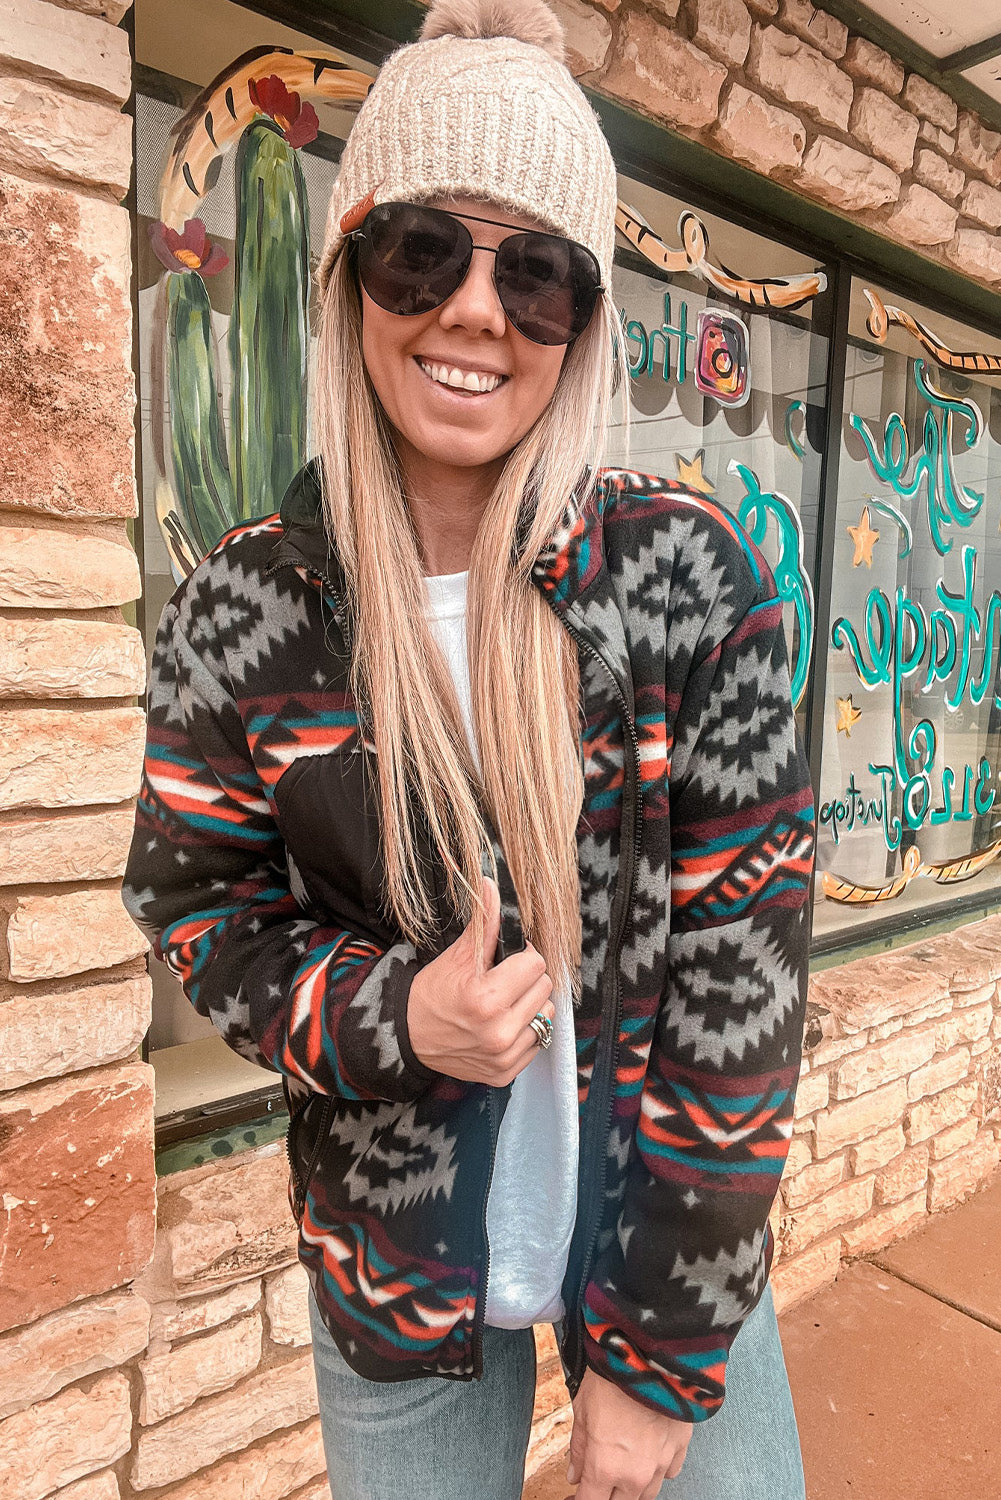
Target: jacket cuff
x,y
421,1076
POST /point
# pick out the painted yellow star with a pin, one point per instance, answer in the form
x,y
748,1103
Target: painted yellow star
x,y
864,538
848,715
690,473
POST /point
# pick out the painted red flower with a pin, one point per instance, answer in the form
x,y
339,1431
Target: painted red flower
x,y
191,250
296,121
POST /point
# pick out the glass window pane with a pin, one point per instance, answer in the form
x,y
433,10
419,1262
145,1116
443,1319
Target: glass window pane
x,y
913,717
755,450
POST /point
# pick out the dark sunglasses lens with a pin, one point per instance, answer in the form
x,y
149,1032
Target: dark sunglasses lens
x,y
547,285
412,259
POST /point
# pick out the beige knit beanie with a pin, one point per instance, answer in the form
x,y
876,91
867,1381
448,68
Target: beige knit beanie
x,y
481,106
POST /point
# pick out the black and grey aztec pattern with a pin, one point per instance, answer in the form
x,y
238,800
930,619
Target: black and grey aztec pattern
x,y
255,869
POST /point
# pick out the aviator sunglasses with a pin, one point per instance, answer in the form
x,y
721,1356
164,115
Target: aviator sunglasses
x,y
412,258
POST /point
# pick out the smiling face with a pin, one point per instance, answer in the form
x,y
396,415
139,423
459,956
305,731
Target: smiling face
x,y
447,431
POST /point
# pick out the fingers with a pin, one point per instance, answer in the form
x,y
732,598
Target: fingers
x,y
491,924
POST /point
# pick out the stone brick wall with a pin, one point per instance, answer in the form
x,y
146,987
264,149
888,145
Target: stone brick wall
x,y
789,91
77,1187
153,1337
898,1112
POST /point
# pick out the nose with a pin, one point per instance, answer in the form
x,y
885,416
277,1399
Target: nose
x,y
475,305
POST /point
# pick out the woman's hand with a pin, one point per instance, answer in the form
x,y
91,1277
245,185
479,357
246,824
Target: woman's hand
x,y
621,1449
468,1017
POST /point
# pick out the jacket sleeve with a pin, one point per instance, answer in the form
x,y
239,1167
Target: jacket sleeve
x,y
208,881
692,1249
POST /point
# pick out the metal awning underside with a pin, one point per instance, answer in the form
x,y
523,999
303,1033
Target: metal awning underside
x,y
954,43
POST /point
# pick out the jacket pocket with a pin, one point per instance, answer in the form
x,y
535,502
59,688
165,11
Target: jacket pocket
x,y
308,1127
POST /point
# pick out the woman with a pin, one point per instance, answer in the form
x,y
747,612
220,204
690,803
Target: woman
x,y
474,806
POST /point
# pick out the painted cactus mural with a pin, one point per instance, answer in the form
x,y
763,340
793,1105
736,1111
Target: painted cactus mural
x,y
225,462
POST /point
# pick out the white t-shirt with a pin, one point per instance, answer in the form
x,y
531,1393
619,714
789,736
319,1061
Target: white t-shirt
x,y
532,1202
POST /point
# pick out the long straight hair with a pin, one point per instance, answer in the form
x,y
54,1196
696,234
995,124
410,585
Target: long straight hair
x,y
523,665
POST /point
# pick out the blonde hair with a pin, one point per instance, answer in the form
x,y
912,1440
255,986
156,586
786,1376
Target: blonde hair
x,y
524,671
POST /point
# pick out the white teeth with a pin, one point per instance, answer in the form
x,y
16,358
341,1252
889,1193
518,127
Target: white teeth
x,y
461,380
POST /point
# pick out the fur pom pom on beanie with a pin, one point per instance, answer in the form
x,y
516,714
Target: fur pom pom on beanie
x,y
482,105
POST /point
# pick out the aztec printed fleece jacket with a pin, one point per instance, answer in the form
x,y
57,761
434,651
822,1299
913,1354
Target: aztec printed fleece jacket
x,y
255,869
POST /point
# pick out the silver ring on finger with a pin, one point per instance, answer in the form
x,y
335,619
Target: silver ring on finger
x,y
543,1028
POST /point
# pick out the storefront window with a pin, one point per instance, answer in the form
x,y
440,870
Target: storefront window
x,y
909,805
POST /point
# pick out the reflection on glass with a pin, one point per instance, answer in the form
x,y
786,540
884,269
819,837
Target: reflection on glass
x,y
908,812
729,398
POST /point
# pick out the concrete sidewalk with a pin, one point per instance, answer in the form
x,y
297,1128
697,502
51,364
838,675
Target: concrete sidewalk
x,y
896,1369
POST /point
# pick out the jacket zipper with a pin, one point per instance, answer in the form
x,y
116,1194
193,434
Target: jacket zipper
x,y
479,1316
608,1040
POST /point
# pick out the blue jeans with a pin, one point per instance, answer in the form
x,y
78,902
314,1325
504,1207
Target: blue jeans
x,y
466,1440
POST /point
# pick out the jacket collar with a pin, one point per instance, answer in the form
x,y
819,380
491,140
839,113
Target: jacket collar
x,y
570,571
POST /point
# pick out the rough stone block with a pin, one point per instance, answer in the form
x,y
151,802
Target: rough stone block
x,y
835,1047
799,1276
955,1177
286,1297
73,846
940,139
38,1361
877,1150
886,1028
270,1471
588,36
885,1225
665,75
816,27
880,1064
966,1025
77,51
50,937
930,102
903,1177
174,1320
798,1156
812,1094
62,1031
979,148
847,1124
759,133
63,757
800,76
220,1223
983,204
932,1012
954,1138
870,64
940,1074
60,1440
200,1367
80,1218
938,1112
869,991
46,132
65,568
103,1486
937,174
220,1425
723,29
885,129
70,659
800,1227
812,1181
64,288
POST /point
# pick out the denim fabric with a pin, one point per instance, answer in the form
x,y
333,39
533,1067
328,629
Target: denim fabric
x,y
458,1440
